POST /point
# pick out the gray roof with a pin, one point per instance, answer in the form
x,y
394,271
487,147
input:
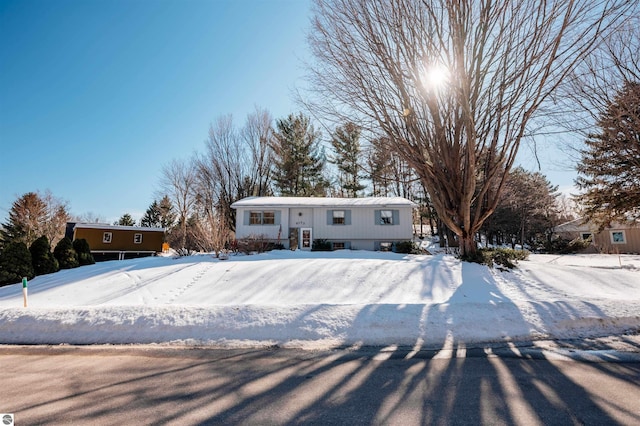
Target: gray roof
x,y
323,202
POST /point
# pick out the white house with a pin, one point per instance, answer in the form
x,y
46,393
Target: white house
x,y
372,223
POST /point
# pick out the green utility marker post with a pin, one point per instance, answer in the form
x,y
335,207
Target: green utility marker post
x,y
24,290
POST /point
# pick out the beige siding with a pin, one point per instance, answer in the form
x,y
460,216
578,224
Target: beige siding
x,y
363,225
603,241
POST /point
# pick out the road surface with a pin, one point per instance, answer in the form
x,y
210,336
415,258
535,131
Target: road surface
x,y
153,385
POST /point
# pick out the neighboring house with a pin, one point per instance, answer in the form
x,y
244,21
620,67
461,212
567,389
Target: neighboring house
x,y
618,238
372,223
109,242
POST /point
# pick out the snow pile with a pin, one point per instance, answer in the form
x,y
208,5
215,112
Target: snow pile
x,y
321,300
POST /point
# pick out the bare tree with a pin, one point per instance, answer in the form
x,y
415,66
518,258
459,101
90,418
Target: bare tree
x,y
256,134
502,60
178,182
235,164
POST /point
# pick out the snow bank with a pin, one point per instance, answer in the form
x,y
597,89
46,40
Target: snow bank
x,y
321,300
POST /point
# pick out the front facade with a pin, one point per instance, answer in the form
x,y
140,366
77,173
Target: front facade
x,y
116,241
618,238
373,223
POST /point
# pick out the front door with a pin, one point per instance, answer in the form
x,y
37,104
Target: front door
x,y
306,238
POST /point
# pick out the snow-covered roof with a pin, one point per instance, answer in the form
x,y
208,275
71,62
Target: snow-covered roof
x,y
323,202
116,227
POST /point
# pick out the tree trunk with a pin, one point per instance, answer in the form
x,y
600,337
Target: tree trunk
x,y
468,245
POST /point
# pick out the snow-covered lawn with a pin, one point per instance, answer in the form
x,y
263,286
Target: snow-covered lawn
x,y
321,300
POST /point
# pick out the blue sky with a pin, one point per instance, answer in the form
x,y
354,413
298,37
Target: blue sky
x,y
97,95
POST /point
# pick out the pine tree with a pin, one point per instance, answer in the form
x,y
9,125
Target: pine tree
x,y
65,254
167,213
42,258
346,144
298,161
125,220
81,246
33,215
151,218
609,172
15,263
27,219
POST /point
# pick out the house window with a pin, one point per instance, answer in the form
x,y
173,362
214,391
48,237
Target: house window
x,y
338,217
268,218
618,237
106,237
386,217
587,236
338,246
262,218
255,218
137,238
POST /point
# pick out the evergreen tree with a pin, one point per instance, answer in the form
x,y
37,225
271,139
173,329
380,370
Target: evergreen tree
x,y
65,254
125,220
42,258
526,212
33,215
151,218
346,144
298,161
81,246
27,219
15,263
380,164
609,172
167,213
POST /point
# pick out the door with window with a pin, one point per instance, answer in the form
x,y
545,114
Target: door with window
x,y
306,238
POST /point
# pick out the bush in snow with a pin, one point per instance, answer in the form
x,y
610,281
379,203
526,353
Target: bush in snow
x,y
42,258
320,245
66,255
504,257
15,263
81,246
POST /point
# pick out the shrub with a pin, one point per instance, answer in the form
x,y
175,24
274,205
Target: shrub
x,y
320,245
42,258
81,246
66,255
15,263
504,257
254,244
565,246
406,247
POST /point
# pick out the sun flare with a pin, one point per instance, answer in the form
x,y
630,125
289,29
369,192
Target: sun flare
x,y
435,77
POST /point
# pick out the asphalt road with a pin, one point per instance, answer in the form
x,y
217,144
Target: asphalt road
x,y
126,385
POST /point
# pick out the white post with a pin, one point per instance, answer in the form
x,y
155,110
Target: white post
x,y
24,291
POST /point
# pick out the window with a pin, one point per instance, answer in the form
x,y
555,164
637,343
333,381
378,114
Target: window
x,y
262,218
338,246
618,237
386,217
586,236
106,237
255,218
338,217
137,238
268,218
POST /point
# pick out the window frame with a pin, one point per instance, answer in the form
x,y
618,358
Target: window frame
x,y
340,245
586,235
616,241
272,217
107,237
337,219
137,240
384,219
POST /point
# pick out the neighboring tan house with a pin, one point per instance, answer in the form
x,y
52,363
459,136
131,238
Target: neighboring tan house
x,y
617,238
109,242
373,223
